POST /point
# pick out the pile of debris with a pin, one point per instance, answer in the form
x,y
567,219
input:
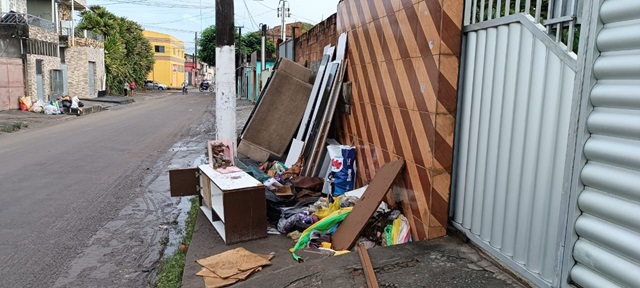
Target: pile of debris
x,y
307,180
232,266
314,201
56,107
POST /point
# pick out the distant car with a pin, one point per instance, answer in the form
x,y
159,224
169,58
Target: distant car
x,y
154,85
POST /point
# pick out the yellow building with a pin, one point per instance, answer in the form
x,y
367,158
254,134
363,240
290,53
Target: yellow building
x,y
169,56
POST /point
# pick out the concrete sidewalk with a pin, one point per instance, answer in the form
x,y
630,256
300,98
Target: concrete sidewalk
x,y
445,262
16,120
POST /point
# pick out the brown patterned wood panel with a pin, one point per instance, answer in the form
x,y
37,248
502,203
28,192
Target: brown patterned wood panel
x,y
403,63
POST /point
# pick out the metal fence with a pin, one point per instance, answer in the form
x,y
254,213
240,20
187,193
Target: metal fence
x,y
88,35
12,18
558,16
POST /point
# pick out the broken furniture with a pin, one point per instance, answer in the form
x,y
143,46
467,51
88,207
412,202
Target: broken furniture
x,y
278,114
233,202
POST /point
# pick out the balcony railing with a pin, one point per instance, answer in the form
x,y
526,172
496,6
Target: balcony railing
x,y
13,18
66,31
89,35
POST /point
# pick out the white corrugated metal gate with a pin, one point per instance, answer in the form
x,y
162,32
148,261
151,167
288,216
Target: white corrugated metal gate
x,y
515,146
607,252
547,164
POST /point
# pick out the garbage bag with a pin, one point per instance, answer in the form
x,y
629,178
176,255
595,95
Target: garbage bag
x,y
37,107
50,110
275,202
343,168
25,103
286,225
66,103
325,225
400,231
74,102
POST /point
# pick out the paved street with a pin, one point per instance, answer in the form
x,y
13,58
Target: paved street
x,y
63,186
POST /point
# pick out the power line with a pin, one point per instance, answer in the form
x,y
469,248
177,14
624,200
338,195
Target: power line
x,y
151,3
250,17
173,21
169,29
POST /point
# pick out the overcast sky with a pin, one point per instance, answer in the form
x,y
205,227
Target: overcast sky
x,y
183,18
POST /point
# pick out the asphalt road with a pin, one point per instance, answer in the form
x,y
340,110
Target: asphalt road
x,y
59,185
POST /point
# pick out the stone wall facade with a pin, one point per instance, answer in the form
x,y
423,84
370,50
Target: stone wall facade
x,y
42,34
86,42
77,59
19,6
48,63
64,11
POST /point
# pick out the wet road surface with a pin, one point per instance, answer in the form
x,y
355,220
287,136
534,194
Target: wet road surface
x,y
84,203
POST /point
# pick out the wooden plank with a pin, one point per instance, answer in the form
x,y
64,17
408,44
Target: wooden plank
x,y
184,182
352,226
367,267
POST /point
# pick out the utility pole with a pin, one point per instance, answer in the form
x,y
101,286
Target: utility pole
x,y
225,66
195,61
284,11
238,59
263,48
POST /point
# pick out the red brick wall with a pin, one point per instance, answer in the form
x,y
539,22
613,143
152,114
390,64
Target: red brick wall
x,y
309,46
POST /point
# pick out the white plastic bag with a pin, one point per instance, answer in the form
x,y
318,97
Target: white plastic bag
x,y
74,102
37,107
50,110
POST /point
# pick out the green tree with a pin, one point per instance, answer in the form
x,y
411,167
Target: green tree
x,y
207,45
128,54
246,44
252,42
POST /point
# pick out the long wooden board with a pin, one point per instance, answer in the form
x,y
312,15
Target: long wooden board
x,y
352,226
367,267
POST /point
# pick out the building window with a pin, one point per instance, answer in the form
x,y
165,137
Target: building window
x,y
39,66
159,49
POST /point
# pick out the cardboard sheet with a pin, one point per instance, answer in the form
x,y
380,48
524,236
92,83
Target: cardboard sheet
x,y
210,282
232,262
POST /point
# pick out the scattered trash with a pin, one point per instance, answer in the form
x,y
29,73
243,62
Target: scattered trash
x,y
272,184
314,200
220,154
273,231
295,235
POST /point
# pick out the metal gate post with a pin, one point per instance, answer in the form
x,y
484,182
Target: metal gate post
x,y
585,81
